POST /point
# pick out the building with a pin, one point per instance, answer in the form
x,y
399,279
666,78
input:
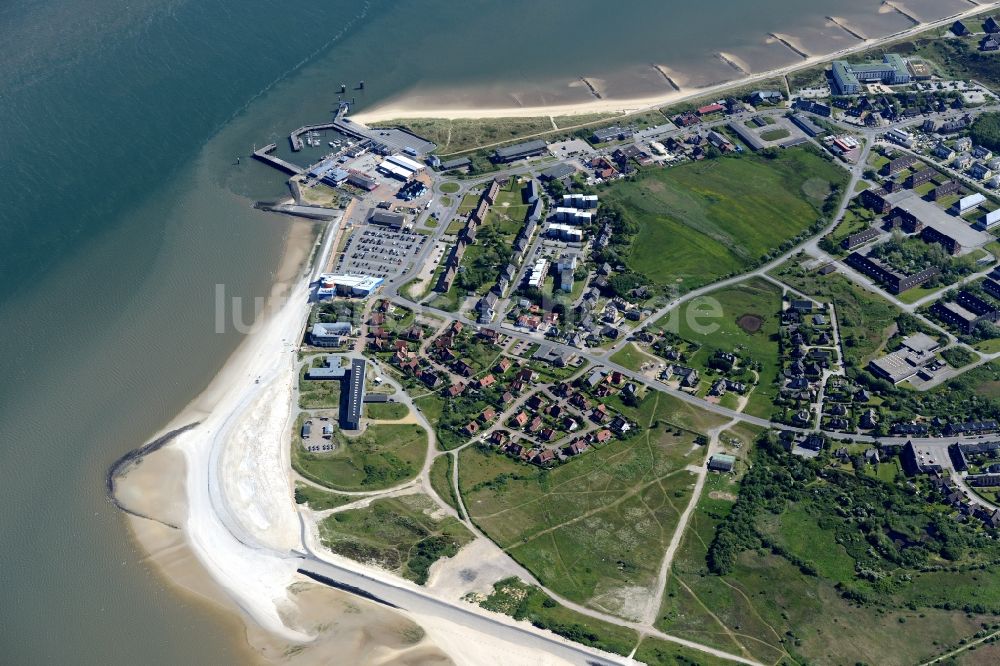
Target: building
x,y
944,189
558,172
565,269
532,191
966,312
848,77
943,152
350,417
613,133
990,220
958,29
875,200
538,272
360,286
362,180
899,136
386,219
902,218
720,462
969,202
565,232
459,163
329,335
806,125
980,171
752,141
715,107
572,215
520,151
898,164
582,201
932,235
900,365
811,106
895,282
401,167
857,240
330,371
759,97
920,177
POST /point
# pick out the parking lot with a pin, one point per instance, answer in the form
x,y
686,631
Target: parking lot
x,y
378,251
320,437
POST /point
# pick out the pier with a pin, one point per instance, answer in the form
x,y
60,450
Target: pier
x,y
264,155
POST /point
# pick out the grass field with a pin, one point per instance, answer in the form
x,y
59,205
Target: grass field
x,y
449,188
655,652
595,528
386,411
700,221
768,609
774,134
316,394
385,455
441,481
463,134
398,534
319,500
756,297
514,597
632,357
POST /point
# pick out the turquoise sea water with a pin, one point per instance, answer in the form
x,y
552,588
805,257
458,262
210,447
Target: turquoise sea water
x,y
121,208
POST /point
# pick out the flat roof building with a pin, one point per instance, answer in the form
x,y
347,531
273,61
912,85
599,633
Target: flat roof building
x,y
360,286
328,335
382,218
351,417
519,151
848,77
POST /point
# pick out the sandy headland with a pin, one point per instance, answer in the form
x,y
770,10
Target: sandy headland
x,y
212,506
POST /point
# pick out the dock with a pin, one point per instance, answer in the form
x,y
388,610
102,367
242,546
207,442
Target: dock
x,y
295,138
264,155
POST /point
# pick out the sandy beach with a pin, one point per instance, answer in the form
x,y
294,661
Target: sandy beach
x,y
406,106
221,524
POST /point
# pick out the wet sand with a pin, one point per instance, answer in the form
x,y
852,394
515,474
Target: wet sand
x,y
648,87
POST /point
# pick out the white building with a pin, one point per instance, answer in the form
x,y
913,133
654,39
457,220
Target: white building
x,y
565,232
582,201
968,203
360,286
538,273
400,167
899,136
572,215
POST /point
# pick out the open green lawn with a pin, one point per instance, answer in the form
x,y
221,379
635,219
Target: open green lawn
x,y
316,394
449,188
386,411
398,534
441,481
593,529
383,456
631,357
774,134
702,220
756,297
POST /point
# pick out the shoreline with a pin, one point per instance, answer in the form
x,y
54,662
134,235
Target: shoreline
x,y
401,108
